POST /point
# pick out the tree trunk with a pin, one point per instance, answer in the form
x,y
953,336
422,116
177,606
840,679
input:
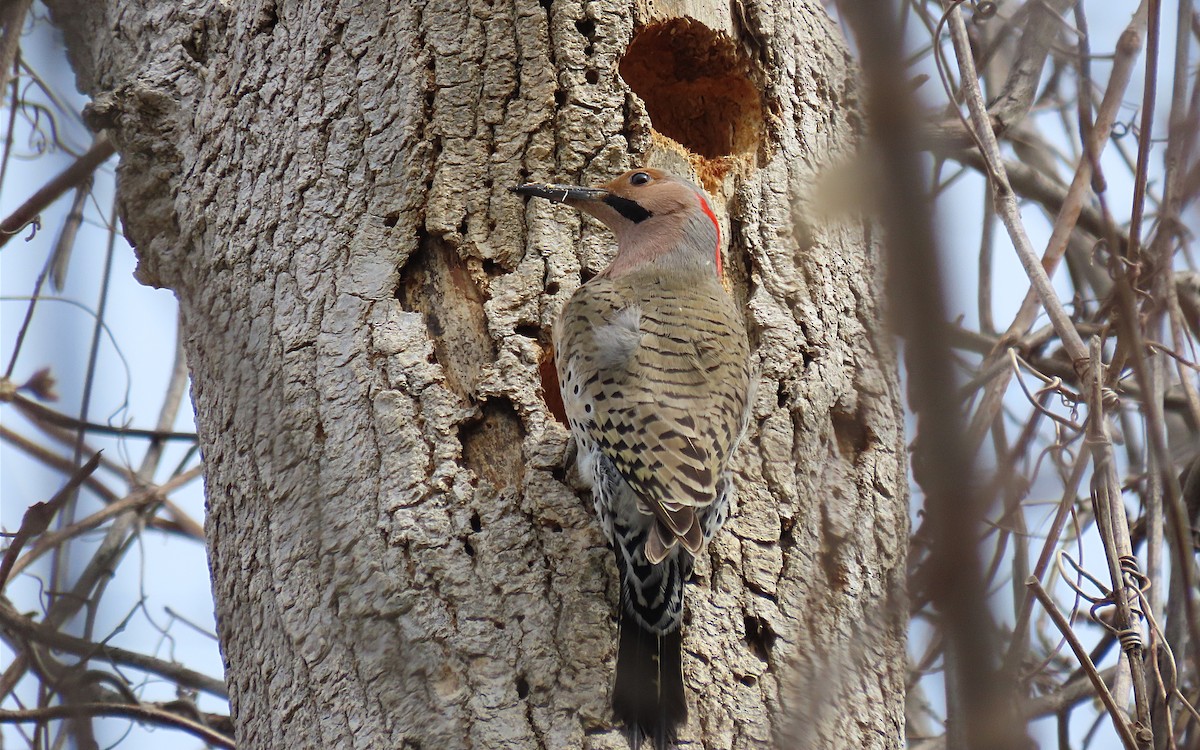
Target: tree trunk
x,y
400,557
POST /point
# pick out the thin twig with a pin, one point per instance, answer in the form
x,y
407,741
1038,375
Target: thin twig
x,y
59,463
172,400
180,522
102,148
1147,131
38,517
1034,186
12,20
1129,48
23,627
1018,643
1114,528
1005,198
38,412
1064,628
1068,695
133,501
1042,25
141,712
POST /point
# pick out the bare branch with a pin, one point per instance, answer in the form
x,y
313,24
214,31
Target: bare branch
x,y
1042,25
141,712
21,627
38,412
1064,628
78,171
39,515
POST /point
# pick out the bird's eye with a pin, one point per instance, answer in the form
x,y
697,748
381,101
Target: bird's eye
x,y
639,178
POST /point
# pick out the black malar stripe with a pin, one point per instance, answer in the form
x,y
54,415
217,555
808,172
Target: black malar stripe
x,y
631,210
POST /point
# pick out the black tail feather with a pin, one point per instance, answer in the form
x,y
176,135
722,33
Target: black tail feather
x,y
648,695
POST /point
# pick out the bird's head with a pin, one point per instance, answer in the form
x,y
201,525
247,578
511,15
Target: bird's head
x,y
656,216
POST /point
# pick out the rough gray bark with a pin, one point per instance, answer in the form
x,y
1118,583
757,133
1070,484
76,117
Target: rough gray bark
x,y
399,557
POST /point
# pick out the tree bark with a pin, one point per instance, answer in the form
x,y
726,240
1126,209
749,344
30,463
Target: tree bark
x,y
400,557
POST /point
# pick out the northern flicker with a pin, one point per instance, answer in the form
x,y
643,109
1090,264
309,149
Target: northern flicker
x,y
653,366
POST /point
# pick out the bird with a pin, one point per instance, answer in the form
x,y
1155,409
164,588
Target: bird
x,y
653,365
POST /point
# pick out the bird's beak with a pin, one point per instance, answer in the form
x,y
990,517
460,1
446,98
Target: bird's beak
x,y
569,194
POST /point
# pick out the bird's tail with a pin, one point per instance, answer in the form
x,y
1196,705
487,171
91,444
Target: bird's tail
x,y
648,695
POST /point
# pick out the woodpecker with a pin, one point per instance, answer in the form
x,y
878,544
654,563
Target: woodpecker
x,y
653,365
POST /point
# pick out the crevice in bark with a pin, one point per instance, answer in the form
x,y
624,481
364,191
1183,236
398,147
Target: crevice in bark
x,y
488,444
548,377
851,433
587,27
529,331
437,283
196,44
268,17
787,534
760,637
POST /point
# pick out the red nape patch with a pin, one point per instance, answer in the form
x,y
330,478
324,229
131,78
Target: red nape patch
x,y
716,225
